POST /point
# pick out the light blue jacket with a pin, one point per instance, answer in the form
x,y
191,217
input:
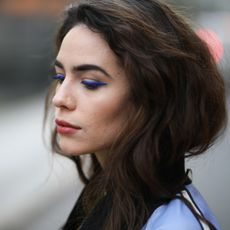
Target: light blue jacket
x,y
177,216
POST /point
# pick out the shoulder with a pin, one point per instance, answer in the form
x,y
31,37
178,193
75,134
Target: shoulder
x,y
172,216
175,215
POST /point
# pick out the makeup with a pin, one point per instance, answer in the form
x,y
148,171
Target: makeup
x,y
64,127
59,76
92,84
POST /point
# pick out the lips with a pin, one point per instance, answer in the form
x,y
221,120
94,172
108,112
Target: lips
x,y
64,127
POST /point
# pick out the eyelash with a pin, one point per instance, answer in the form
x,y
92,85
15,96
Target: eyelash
x,y
88,83
92,84
59,77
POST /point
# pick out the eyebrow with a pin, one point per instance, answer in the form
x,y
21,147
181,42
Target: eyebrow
x,y
84,68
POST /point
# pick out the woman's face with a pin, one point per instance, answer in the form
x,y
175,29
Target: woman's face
x,y
92,98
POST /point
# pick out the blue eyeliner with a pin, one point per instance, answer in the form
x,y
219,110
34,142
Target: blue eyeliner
x,y
93,83
59,76
88,83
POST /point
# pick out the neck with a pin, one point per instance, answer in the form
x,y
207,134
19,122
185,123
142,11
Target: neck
x,y
101,157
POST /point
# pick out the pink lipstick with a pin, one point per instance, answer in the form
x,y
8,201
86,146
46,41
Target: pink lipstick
x,y
64,127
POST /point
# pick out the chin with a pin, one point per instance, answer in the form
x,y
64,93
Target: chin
x,y
77,148
70,150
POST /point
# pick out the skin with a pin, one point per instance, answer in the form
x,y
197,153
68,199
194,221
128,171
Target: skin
x,y
102,112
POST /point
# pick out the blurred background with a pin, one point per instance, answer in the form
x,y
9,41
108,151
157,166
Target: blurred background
x,y
38,189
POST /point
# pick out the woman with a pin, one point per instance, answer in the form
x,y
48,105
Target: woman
x,y
137,90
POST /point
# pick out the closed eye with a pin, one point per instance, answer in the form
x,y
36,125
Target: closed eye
x,y
60,77
92,84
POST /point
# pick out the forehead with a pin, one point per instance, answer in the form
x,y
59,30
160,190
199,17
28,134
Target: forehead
x,y
82,44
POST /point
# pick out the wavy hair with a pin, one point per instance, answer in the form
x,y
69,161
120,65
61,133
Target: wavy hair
x,y
179,100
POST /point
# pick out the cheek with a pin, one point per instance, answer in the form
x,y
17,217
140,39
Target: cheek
x,y
107,123
102,119
109,113
103,122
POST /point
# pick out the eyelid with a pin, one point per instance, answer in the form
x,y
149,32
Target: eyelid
x,y
93,82
59,76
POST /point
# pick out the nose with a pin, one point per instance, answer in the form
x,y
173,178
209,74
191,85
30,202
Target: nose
x,y
63,97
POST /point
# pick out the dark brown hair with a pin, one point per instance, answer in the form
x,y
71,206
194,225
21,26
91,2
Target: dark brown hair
x,y
179,100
